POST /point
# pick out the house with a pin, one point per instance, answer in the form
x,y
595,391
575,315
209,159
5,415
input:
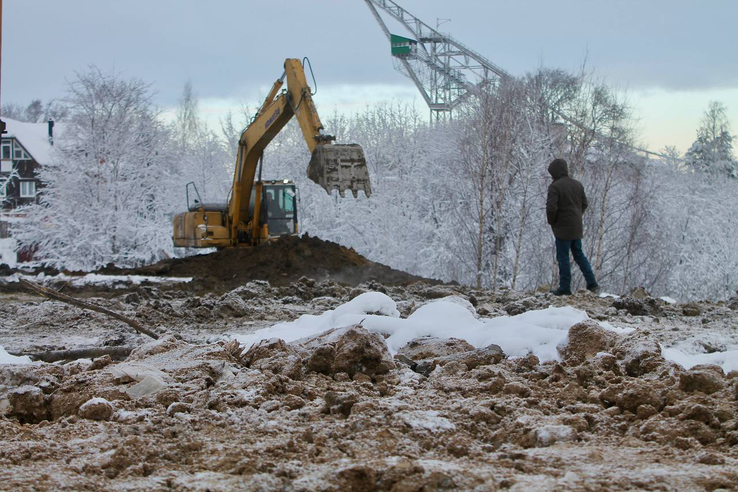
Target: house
x,y
24,148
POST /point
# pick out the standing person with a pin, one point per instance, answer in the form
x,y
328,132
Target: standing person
x,y
565,205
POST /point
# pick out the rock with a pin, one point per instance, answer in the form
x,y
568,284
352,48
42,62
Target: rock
x,y
527,363
356,292
341,377
707,458
522,306
645,411
489,355
276,356
691,309
578,422
700,413
27,404
165,343
639,293
585,340
358,478
707,379
724,412
426,362
481,413
351,350
406,361
630,396
360,377
638,307
231,304
515,388
294,402
178,407
100,362
607,362
458,447
96,409
640,354
433,347
434,292
551,434
339,403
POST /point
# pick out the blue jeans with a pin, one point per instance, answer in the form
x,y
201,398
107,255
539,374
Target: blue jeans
x,y
563,246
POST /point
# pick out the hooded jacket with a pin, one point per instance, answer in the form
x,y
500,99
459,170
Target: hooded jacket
x,y
566,202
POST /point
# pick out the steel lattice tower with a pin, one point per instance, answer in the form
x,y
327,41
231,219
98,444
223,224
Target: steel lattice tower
x,y
444,70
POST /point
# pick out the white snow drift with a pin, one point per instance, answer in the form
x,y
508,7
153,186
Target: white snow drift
x,y
538,332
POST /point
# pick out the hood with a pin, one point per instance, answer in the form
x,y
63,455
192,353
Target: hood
x,y
558,168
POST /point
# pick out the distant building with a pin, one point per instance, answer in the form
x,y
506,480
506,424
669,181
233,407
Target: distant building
x,y
23,150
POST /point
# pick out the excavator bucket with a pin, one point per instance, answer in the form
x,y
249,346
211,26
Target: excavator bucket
x,y
340,167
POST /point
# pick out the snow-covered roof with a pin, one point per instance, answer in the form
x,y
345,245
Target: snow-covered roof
x,y
34,137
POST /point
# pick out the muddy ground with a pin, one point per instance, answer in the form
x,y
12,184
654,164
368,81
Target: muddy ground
x,y
196,411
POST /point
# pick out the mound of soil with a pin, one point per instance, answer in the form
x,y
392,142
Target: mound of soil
x,y
280,262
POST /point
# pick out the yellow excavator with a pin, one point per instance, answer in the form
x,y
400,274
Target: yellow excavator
x,y
258,210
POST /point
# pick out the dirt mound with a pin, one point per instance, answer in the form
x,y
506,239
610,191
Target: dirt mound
x,y
280,262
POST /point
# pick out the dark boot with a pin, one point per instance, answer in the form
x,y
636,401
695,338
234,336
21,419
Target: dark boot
x,y
559,292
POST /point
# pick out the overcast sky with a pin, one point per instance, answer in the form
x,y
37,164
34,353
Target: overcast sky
x,y
672,56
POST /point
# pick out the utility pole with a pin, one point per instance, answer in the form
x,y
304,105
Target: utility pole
x,y
2,123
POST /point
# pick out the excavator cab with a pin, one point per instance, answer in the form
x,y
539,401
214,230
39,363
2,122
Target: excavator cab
x,y
279,208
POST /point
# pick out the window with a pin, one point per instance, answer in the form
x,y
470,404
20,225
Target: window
x,y
279,204
6,166
19,154
27,189
5,151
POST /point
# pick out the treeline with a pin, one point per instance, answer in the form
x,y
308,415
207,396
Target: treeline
x,y
463,200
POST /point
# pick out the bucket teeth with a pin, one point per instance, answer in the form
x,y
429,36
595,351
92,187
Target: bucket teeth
x,y
340,167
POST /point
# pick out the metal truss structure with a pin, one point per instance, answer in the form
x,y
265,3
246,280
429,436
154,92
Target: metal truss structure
x,y
444,70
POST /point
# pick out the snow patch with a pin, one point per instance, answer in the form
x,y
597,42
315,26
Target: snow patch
x,y
111,281
617,329
537,332
6,358
429,420
728,360
9,252
611,296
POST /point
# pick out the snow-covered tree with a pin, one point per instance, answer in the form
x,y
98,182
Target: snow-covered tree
x,y
712,152
36,111
202,155
108,193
